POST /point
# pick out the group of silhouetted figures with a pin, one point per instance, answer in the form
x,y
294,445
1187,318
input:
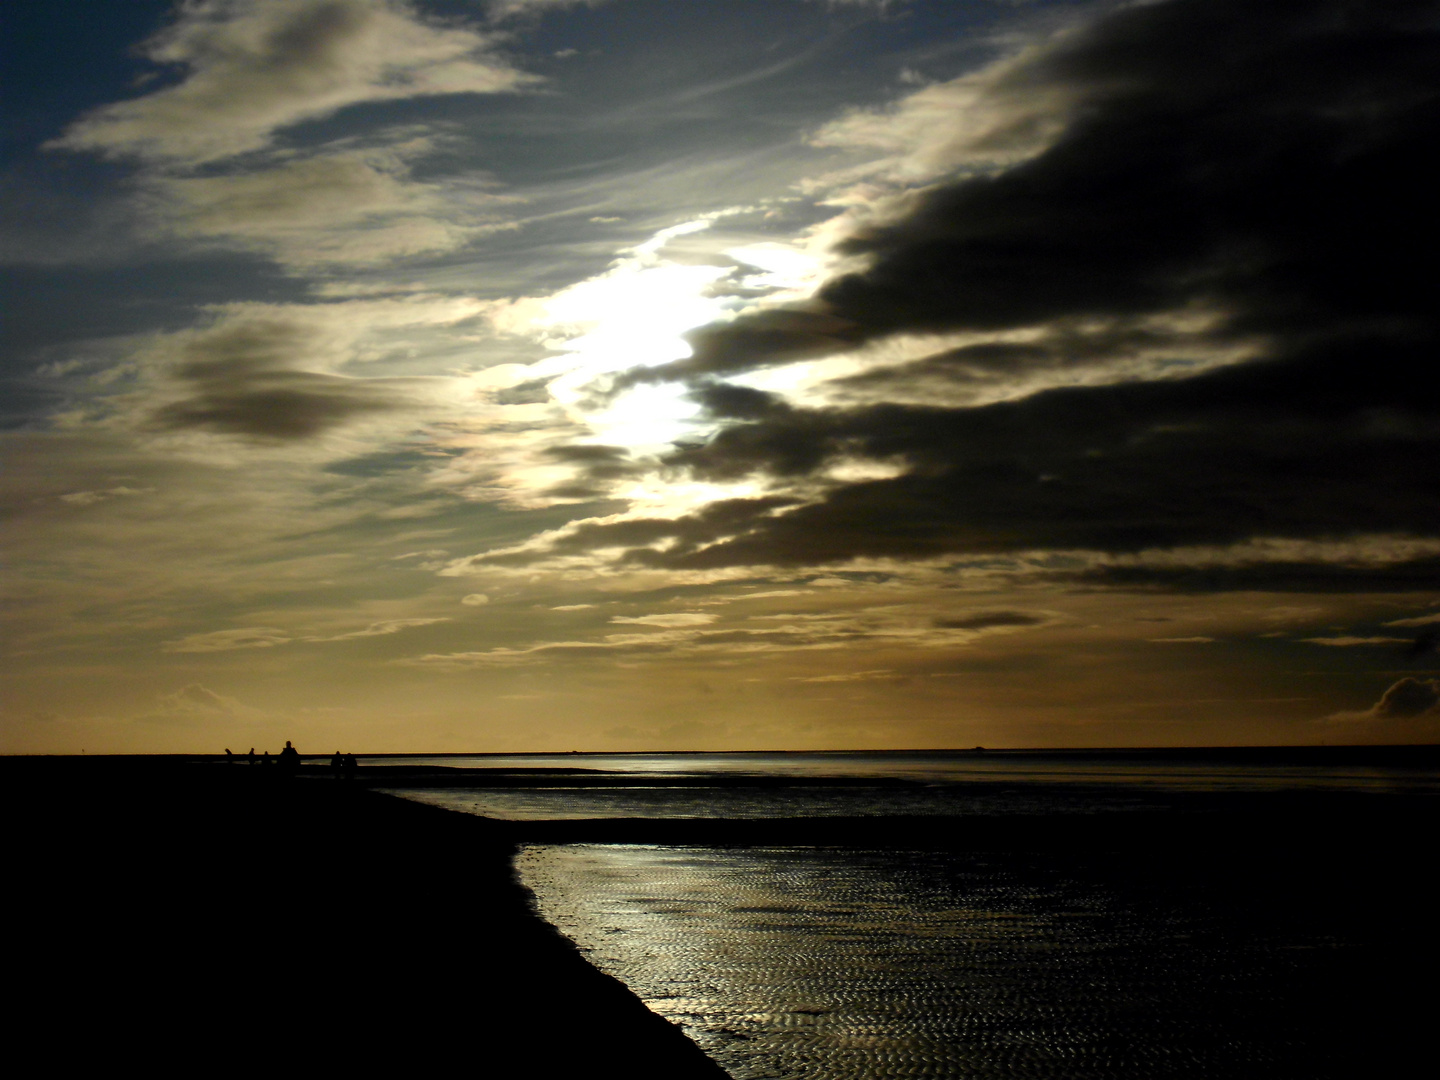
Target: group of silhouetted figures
x,y
342,767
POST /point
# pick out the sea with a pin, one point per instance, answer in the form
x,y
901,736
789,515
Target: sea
x,y
907,953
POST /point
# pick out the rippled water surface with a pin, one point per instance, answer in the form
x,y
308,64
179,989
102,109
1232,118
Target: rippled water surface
x,y
821,963
841,963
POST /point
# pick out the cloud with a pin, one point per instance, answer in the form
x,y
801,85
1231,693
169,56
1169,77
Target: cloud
x,y
90,498
849,676
270,371
679,618
249,68
330,208
274,403
1409,698
253,637
1327,571
1209,227
265,637
1001,115
1350,642
197,700
1197,640
985,620
380,629
479,599
689,635
505,9
1419,620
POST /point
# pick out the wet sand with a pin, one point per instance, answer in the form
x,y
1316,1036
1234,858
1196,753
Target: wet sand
x,y
182,915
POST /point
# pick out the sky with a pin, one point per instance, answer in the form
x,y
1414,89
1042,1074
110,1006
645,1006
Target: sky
x,y
618,375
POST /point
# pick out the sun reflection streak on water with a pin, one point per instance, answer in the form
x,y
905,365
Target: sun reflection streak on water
x,y
825,964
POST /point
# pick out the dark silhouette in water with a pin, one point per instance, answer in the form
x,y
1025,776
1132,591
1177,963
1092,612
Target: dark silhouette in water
x,y
250,758
351,766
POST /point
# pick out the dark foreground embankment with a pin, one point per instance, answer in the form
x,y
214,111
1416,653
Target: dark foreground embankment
x,y
167,915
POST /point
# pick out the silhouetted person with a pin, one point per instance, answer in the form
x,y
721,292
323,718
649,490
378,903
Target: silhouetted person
x,y
251,757
337,763
289,760
351,766
265,758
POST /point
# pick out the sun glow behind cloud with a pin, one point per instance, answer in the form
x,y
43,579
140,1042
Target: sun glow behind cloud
x,y
635,315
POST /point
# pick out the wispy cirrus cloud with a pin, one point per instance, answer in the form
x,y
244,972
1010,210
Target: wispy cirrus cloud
x,y
673,619
687,634
250,68
90,498
250,637
1351,641
1418,620
379,629
245,71
328,208
267,637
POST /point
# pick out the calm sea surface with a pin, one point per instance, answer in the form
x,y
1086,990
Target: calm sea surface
x,y
839,962
922,784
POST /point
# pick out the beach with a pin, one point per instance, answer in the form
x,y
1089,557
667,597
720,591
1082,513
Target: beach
x,y
169,907
170,913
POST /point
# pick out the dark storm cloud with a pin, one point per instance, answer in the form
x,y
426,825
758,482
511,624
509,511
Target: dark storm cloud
x,y
1263,158
771,337
1262,163
243,379
1275,449
1003,363
1301,576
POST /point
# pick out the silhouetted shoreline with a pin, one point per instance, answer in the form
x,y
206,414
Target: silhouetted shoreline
x,y
181,908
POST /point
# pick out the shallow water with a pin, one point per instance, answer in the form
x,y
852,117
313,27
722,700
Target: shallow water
x,y
814,963
833,963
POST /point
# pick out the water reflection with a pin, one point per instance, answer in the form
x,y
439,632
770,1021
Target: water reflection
x,y
825,963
